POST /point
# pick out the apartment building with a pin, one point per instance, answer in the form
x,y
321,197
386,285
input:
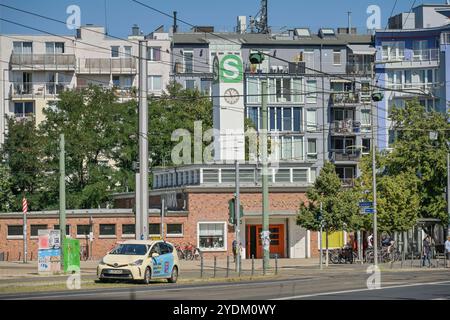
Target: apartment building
x,y
36,68
412,62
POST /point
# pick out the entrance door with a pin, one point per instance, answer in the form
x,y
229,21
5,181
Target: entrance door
x,y
254,246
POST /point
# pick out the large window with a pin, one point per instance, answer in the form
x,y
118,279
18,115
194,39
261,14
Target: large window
x,y
127,51
311,120
287,119
54,47
312,149
365,146
393,51
190,84
290,148
253,91
15,231
34,232
311,89
154,83
154,53
337,57
23,47
205,86
115,52
282,90
188,57
175,229
56,227
128,229
365,120
83,229
211,236
107,229
23,109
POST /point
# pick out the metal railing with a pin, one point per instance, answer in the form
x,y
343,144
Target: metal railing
x,y
107,65
358,68
347,126
341,98
345,155
20,90
47,61
412,56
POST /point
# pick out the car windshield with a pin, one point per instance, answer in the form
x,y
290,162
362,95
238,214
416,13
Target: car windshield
x,y
130,249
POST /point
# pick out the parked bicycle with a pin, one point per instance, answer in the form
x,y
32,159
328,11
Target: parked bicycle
x,y
188,252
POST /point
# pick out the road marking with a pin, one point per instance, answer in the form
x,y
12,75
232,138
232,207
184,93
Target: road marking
x,y
143,290
361,290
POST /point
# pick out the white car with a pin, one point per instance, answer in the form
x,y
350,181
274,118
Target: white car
x,y
140,260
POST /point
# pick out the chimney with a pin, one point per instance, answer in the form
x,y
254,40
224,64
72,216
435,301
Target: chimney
x,y
175,26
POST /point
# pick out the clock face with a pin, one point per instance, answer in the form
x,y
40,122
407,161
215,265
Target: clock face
x,y
231,96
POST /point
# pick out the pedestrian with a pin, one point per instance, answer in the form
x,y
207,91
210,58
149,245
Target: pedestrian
x,y
235,249
447,250
426,251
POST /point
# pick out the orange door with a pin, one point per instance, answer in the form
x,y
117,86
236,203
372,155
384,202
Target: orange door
x,y
276,241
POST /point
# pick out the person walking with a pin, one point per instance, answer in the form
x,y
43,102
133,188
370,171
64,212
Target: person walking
x,y
235,249
426,251
447,251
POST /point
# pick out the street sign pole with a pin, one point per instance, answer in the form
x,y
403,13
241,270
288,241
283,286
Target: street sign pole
x,y
265,185
374,175
25,210
237,217
62,193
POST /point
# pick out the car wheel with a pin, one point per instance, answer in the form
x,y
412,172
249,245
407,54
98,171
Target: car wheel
x,y
174,277
147,276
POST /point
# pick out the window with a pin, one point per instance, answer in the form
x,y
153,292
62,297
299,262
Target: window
x,y
83,229
127,52
297,91
253,91
365,146
154,229
128,229
205,86
190,84
165,248
188,57
336,57
23,47
54,47
34,232
287,119
15,231
253,116
211,236
127,82
311,120
311,89
115,51
286,148
23,109
291,148
366,120
312,149
174,229
56,227
154,83
393,51
107,229
154,53
116,81
297,119
421,50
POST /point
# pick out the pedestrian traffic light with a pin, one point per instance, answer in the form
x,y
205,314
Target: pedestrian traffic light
x,y
231,211
256,58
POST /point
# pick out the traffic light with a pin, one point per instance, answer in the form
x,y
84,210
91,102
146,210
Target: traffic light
x,y
231,211
256,58
377,96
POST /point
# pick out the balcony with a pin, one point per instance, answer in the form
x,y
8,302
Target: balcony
x,y
344,98
293,68
188,71
411,58
107,66
345,127
63,62
122,93
346,155
35,90
360,69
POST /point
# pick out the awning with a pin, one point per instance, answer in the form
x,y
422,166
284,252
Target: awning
x,y
362,49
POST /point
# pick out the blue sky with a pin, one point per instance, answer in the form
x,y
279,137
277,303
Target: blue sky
x,y
122,14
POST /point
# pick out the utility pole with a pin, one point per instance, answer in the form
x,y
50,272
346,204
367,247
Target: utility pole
x,y
265,237
25,210
142,229
374,173
237,216
163,210
62,193
448,193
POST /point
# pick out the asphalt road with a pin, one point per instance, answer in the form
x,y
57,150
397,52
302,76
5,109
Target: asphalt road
x,y
338,284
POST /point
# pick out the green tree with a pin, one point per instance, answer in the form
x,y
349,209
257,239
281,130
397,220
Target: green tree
x,y
22,154
415,152
6,195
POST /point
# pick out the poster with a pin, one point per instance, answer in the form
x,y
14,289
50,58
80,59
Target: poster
x,y
49,251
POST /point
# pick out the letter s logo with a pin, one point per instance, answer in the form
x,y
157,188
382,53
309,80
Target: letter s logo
x,y
231,69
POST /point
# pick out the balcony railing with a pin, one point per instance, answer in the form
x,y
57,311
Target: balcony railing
x,y
346,155
343,98
348,182
45,90
107,66
45,61
408,55
363,69
345,127
121,92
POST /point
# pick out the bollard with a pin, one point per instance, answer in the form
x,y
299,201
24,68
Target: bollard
x,y
201,266
228,265
215,259
276,264
253,265
7,256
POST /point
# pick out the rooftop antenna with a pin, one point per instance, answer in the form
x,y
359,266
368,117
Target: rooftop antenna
x,y
175,26
349,22
106,20
260,21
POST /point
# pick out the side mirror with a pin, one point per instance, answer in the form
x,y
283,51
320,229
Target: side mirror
x,y
155,255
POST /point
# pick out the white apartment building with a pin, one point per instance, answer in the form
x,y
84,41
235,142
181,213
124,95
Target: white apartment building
x,y
36,68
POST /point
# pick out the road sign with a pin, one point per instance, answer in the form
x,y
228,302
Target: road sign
x,y
369,210
366,204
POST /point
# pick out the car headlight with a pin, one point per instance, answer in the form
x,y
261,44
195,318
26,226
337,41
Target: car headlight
x,y
137,262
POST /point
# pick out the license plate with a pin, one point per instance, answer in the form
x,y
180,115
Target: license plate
x,y
115,271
